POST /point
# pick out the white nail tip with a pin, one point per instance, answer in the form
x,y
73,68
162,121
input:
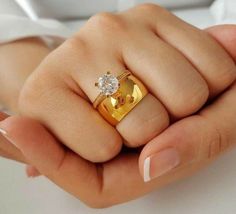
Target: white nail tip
x,y
146,170
3,131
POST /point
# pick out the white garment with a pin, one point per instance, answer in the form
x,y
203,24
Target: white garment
x,y
58,18
224,11
64,9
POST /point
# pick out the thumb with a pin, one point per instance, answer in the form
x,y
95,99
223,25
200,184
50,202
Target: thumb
x,y
194,140
197,139
187,141
226,36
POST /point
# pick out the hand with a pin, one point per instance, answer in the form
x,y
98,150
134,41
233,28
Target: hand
x,y
181,66
201,137
15,67
64,167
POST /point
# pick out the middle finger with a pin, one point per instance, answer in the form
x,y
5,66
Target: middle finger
x,y
141,124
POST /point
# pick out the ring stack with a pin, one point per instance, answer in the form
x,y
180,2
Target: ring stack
x,y
118,95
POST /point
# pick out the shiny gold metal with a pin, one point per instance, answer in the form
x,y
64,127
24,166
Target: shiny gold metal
x,y
115,107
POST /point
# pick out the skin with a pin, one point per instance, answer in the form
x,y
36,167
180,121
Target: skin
x,y
170,45
63,85
13,80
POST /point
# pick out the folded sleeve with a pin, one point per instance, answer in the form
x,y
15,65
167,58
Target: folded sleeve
x,y
224,11
15,24
13,27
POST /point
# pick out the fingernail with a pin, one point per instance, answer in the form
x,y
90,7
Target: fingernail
x,y
4,133
160,163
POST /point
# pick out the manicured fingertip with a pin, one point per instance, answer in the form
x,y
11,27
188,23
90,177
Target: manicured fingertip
x,y
160,163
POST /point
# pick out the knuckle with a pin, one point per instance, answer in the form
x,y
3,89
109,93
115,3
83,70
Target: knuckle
x,y
198,98
35,92
214,148
216,140
107,22
149,8
221,143
27,97
75,43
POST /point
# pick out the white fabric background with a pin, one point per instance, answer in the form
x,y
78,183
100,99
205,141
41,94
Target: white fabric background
x,y
211,191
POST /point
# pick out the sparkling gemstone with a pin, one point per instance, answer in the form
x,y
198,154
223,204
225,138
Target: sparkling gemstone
x,y
108,84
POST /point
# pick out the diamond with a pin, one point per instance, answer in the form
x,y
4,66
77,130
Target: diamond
x,y
108,84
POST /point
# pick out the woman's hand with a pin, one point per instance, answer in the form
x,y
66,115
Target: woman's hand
x,y
18,59
118,180
180,65
198,139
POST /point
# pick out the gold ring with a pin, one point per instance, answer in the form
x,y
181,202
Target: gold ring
x,y
118,95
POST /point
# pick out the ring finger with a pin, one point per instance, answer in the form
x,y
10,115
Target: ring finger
x,y
148,60
146,120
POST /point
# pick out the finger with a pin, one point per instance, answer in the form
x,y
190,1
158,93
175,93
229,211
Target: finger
x,y
69,116
32,172
3,116
93,184
149,117
195,139
167,73
211,60
145,121
7,150
226,36
62,166
199,137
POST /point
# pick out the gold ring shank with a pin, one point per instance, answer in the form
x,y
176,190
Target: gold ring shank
x,y
114,108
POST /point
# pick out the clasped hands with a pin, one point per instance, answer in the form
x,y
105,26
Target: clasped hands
x,y
184,122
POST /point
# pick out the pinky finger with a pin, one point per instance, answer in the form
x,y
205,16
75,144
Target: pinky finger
x,y
32,172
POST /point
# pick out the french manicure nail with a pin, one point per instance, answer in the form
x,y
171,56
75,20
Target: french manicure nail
x,y
160,163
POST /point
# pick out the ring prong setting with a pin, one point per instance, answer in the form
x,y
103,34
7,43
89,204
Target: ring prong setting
x,y
108,84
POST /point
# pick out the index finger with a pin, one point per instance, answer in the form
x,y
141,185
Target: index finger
x,y
98,185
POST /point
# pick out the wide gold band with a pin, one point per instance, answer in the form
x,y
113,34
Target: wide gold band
x,y
115,107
